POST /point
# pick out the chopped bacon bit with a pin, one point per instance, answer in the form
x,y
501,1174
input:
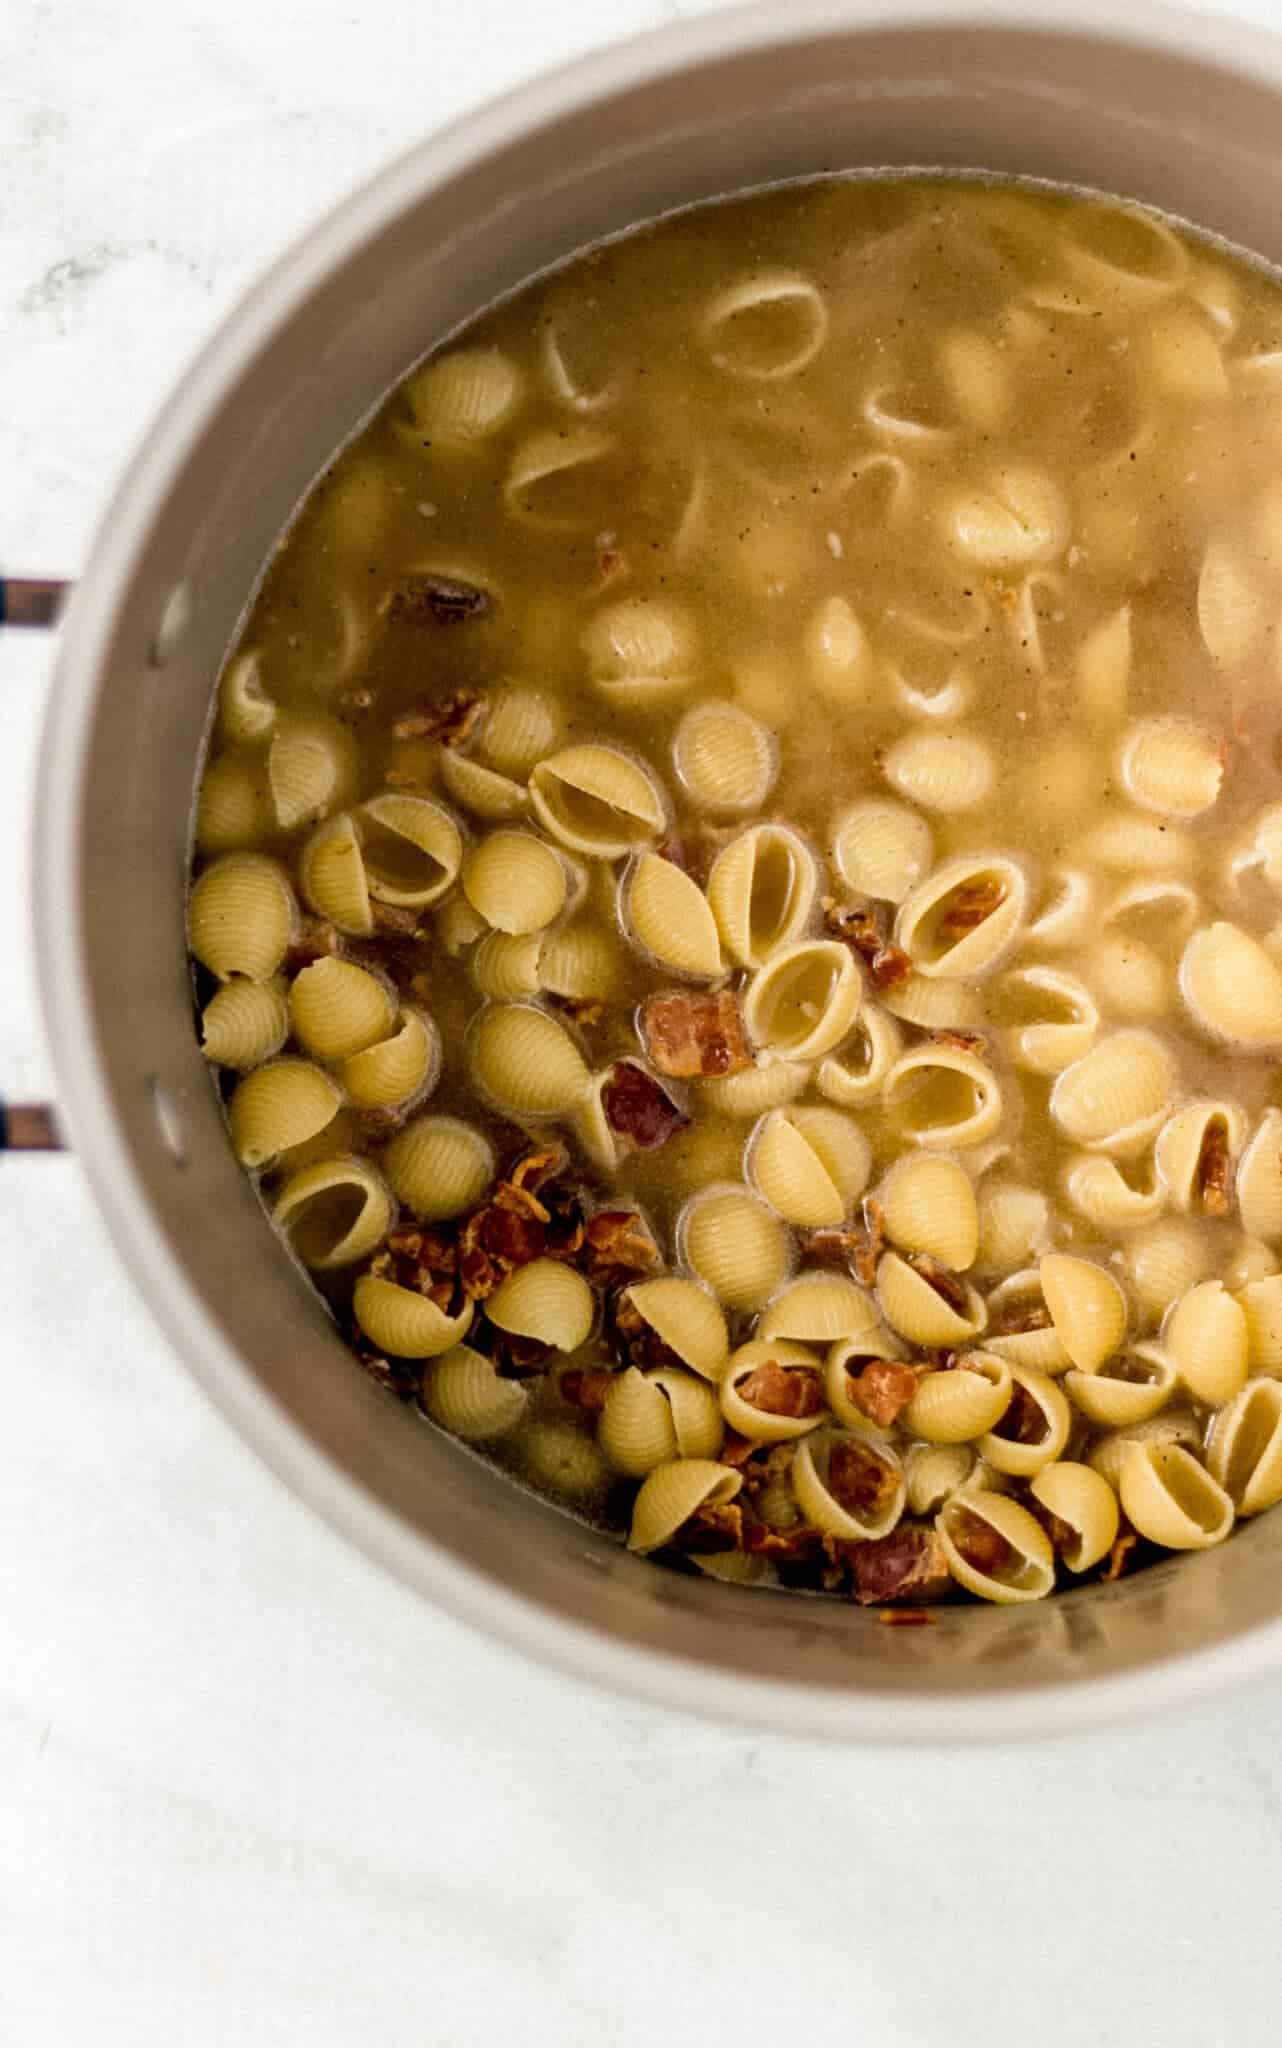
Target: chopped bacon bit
x,y
858,1479
961,1041
736,1450
619,1247
515,1358
317,940
1022,1421
784,1545
611,561
970,906
1018,1319
1213,1169
907,1565
396,918
1062,1534
791,1390
424,599
451,720
634,1342
946,1284
882,1389
711,1530
586,1386
638,1108
857,1245
688,1035
983,1547
507,1235
890,967
537,1167
1119,1558
425,1261
906,1617
857,926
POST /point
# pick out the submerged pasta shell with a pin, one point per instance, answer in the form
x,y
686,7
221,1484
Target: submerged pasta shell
x,y
244,1023
1128,1388
1244,1448
1063,915
1022,517
279,1106
240,916
881,848
1206,1335
809,1164
1233,610
941,771
404,1065
928,1205
871,1501
1086,1503
944,1097
765,326
1102,668
479,789
521,728
526,1062
1117,1095
515,881
672,1494
761,890
597,800
337,1008
463,1392
439,1166
857,1072
964,916
563,1459
1087,1307
331,868
670,918
1261,1304
1026,1570
505,965
1232,988
1014,1225
726,760
245,711
734,1245
804,1001
838,657
230,809
1259,1179
311,769
1162,1261
550,483
334,1212
1171,766
1131,844
464,397
1064,1030
544,1300
819,1308
640,650
403,1322
412,849
686,1318
1172,1499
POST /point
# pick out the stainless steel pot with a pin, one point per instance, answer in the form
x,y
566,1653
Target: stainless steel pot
x,y
1182,112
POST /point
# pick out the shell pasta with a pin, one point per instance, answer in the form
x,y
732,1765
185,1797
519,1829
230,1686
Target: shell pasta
x,y
736,908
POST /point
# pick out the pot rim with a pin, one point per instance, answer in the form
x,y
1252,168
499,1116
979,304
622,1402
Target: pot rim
x,y
791,1707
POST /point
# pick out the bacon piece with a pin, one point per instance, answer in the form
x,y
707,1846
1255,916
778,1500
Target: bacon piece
x,y
907,1565
638,1108
970,906
791,1390
890,967
961,1041
317,939
688,1035
396,919
424,599
712,1530
537,1167
946,1284
618,1247
1119,1558
632,1339
1022,1421
859,1480
882,1389
1213,1169
982,1546
1016,1321
425,1261
586,1386
860,927
857,1245
451,720
906,1617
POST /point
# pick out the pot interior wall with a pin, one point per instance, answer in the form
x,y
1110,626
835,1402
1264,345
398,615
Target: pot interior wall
x,y
345,318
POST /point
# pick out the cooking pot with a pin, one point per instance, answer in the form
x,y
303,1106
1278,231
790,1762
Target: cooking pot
x,y
1160,106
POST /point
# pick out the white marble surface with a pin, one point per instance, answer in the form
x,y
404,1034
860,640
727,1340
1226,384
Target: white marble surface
x,y
249,1792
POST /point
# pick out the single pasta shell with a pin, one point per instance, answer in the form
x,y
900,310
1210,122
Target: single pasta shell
x,y
597,800
522,727
526,1062
1088,1308
334,1212
405,1323
761,1424
398,1068
761,890
686,1318
1130,844
1048,1043
331,869
562,1459
311,770
960,1405
464,1394
768,1084
1063,914
240,916
1172,1499
1162,1261
881,848
1084,1501
1012,1455
1128,1388
1022,517
819,1308
934,1005
1180,1154
636,1431
244,1023
726,761
919,1312
464,397
639,650
810,1165
506,966
1244,1448
1014,1225
1027,1574
1232,988
838,657
245,710
515,881
1249,1260
412,849
337,1008
877,1465
669,918
928,1205
1207,1336
961,920
804,1001
765,327
1117,1095
279,1106
735,1246
584,962
1261,1304
944,1098
932,1472
230,810
941,771
439,1166
1233,610
1259,1179
479,789
672,1494
546,1301
1102,668
1171,766
1108,1454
